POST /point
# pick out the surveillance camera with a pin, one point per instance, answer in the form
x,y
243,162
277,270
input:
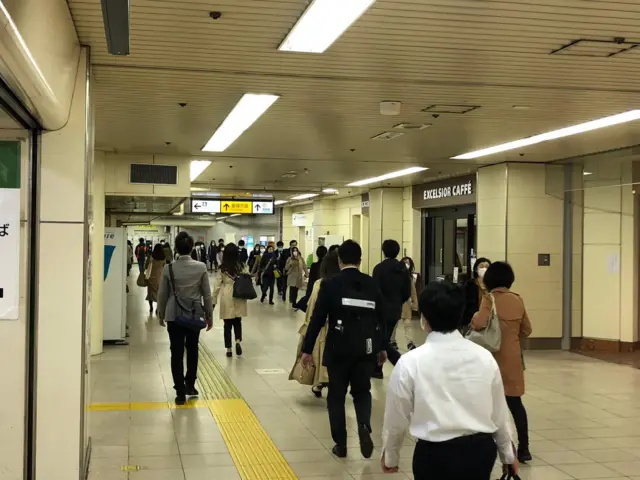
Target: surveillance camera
x,y
215,15
521,154
352,149
167,143
182,104
436,115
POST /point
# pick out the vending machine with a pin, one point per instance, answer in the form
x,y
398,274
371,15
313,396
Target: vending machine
x,y
115,285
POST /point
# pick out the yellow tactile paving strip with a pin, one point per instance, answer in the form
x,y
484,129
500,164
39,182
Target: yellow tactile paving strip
x,y
253,452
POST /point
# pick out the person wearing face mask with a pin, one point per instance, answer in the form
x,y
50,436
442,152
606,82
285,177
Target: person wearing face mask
x,y
474,290
409,307
278,252
252,256
282,265
255,265
266,271
295,270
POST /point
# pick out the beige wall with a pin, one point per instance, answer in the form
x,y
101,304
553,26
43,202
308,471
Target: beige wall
x,y
517,220
610,263
65,170
411,229
97,254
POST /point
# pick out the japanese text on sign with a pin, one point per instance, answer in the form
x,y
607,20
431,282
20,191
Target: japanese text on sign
x,y
229,206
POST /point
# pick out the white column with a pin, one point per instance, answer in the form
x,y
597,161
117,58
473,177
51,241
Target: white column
x,y
62,337
97,252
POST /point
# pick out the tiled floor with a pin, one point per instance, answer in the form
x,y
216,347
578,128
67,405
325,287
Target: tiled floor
x,y
583,413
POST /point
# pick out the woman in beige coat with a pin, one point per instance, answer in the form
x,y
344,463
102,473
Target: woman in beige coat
x,y
231,309
328,268
514,325
153,273
295,269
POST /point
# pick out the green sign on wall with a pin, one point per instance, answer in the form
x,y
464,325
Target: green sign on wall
x,y
9,230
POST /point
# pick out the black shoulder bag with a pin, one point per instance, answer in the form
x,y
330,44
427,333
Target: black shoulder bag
x,y
192,317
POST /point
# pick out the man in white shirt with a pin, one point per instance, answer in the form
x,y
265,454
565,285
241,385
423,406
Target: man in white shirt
x,y
449,394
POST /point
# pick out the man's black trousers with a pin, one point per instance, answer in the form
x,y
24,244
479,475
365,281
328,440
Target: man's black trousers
x,y
342,374
464,458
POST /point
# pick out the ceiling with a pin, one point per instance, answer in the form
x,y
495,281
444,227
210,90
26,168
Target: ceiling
x,y
141,209
491,54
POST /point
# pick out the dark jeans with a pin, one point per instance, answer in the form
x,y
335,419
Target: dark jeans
x,y
236,324
179,338
141,264
284,287
464,458
356,373
267,286
293,295
519,414
280,284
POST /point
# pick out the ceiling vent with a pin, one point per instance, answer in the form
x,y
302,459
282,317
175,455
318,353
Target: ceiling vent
x,y
412,126
149,174
585,47
387,136
450,109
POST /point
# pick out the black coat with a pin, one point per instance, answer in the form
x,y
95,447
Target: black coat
x,y
472,301
329,305
394,281
314,275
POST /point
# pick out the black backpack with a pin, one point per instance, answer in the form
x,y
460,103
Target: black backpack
x,y
356,331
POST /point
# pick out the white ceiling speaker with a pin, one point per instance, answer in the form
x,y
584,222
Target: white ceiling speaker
x,y
390,108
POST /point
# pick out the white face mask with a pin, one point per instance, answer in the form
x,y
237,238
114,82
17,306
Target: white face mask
x,y
481,272
407,265
295,254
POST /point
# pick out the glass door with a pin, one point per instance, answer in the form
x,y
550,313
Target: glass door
x,y
449,241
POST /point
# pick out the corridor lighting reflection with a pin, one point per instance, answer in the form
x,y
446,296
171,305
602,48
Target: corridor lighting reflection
x,y
304,196
387,176
197,167
322,23
249,109
554,134
280,202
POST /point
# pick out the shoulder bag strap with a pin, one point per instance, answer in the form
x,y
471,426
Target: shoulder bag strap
x,y
172,279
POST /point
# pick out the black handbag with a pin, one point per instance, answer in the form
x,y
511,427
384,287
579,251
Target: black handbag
x,y
243,287
191,318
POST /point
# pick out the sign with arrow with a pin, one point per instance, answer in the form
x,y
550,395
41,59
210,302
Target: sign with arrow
x,y
263,208
205,206
232,206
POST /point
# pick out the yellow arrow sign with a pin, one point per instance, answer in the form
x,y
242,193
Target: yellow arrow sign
x,y
230,206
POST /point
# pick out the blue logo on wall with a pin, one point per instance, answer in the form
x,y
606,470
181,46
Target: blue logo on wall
x,y
108,254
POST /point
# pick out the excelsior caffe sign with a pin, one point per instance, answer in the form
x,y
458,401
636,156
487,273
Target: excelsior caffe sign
x,y
442,193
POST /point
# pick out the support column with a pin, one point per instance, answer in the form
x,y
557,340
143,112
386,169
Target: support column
x,y
385,213
517,222
97,253
64,276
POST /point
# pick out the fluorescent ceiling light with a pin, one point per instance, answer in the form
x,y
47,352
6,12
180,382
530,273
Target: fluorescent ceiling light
x,y
199,189
280,202
587,173
249,109
235,215
322,23
554,134
329,190
304,196
197,167
387,176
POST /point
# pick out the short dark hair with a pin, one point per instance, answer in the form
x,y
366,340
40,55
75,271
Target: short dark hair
x,y
221,240
329,265
391,248
477,264
333,248
350,253
141,240
321,251
158,252
499,275
184,243
292,242
280,243
241,243
442,305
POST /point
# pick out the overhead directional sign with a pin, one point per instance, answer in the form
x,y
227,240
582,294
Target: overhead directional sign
x,y
265,208
233,206
205,206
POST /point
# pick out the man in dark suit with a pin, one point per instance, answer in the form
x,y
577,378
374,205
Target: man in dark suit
x,y
356,342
